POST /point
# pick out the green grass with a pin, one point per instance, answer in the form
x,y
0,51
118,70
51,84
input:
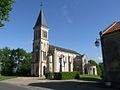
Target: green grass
x,y
6,77
90,77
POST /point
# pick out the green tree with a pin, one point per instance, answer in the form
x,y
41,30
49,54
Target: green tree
x,y
5,8
102,69
92,62
25,65
17,55
15,62
7,63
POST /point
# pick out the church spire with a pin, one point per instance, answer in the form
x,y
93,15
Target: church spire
x,y
41,21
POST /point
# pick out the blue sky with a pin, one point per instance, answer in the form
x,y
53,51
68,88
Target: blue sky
x,y
73,24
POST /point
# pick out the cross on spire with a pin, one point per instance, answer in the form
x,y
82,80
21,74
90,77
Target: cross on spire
x,y
41,21
41,4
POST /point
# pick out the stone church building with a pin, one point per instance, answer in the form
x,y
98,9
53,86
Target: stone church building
x,y
50,58
110,41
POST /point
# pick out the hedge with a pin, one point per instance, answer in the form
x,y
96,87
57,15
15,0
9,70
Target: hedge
x,y
49,75
63,75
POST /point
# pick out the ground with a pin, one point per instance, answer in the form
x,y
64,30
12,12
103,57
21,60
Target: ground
x,y
5,86
34,83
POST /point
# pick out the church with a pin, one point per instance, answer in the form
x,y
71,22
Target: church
x,y
49,58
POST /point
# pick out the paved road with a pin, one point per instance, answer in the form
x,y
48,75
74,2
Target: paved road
x,y
70,85
4,86
31,83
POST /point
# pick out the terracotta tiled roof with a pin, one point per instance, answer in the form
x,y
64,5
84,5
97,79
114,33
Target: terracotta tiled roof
x,y
112,28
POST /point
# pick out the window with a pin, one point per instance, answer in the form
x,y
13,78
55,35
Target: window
x,y
37,34
44,55
44,34
37,56
69,63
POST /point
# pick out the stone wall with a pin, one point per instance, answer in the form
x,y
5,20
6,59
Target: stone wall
x,y
111,53
63,61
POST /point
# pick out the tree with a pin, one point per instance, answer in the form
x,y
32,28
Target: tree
x,y
15,62
7,64
17,56
102,70
25,65
5,8
92,62
22,61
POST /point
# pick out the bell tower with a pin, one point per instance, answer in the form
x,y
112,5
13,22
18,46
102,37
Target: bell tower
x,y
40,46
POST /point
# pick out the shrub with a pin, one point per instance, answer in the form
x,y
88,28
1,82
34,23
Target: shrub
x,y
102,76
77,76
57,76
66,75
49,75
63,75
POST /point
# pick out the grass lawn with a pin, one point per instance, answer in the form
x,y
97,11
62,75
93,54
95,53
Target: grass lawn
x,y
90,77
6,77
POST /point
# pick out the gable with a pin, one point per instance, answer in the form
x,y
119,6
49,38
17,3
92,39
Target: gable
x,y
114,27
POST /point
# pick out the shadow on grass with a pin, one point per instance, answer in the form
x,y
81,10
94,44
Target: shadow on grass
x,y
70,85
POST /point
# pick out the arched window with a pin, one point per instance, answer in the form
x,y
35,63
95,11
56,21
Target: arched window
x,y
69,63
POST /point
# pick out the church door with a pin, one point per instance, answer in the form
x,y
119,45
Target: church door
x,y
44,70
37,71
93,71
86,72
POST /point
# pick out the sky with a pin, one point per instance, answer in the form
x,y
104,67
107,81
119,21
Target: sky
x,y
73,24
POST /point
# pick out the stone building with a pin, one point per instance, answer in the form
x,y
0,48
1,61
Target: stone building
x,y
50,58
81,64
110,40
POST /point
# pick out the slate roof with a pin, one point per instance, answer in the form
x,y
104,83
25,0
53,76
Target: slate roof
x,y
52,47
114,27
41,21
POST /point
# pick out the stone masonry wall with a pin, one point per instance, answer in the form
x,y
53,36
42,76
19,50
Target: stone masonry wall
x,y
111,49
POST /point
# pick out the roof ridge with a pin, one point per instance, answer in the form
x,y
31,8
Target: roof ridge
x,y
64,49
109,27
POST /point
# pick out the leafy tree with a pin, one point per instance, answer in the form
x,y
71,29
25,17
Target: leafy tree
x,y
5,8
7,64
25,65
102,69
17,56
92,62
16,61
